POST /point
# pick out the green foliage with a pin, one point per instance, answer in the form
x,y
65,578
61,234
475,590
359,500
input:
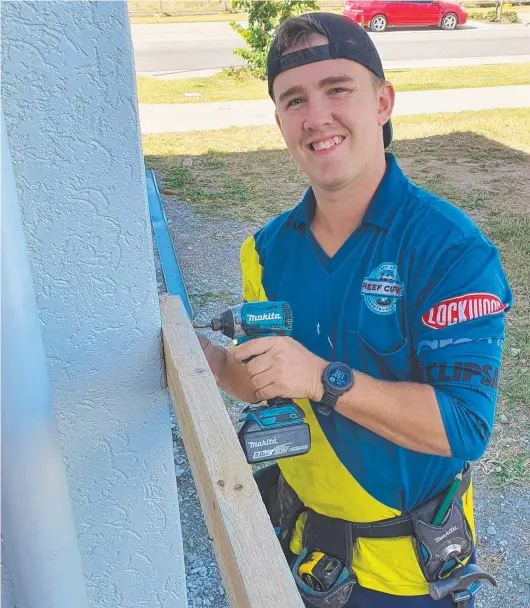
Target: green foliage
x,y
506,17
263,20
177,177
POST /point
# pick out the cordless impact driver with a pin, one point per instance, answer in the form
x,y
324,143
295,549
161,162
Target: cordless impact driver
x,y
275,430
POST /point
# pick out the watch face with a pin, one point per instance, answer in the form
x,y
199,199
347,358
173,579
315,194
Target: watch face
x,y
339,376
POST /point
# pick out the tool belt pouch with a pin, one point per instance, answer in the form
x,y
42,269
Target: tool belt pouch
x,y
333,537
281,502
434,545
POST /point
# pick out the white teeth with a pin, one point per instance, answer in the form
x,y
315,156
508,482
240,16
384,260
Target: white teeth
x,y
326,145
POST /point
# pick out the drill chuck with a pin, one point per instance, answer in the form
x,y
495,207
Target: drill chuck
x,y
217,325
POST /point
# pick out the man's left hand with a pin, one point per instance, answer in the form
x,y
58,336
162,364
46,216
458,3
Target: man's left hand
x,y
282,367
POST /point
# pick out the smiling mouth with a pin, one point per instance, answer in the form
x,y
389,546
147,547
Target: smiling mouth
x,y
326,144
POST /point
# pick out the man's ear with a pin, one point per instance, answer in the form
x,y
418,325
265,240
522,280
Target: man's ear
x,y
386,99
277,118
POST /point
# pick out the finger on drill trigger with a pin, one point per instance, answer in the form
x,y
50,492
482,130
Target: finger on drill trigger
x,y
253,348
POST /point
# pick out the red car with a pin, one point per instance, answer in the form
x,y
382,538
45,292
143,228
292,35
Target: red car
x,y
378,14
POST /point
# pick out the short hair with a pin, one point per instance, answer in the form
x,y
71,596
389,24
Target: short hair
x,y
295,31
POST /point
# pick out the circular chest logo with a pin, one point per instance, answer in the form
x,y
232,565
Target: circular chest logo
x,y
382,289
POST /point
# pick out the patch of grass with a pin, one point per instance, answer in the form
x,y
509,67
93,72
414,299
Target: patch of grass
x,y
177,177
166,18
220,298
228,85
463,77
502,126
478,160
236,84
193,185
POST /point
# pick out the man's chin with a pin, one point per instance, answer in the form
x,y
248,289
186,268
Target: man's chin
x,y
330,183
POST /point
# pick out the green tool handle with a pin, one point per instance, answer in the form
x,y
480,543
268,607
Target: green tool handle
x,y
442,509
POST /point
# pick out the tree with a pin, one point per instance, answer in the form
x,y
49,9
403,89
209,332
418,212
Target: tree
x,y
263,20
498,9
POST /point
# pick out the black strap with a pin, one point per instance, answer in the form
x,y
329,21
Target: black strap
x,y
386,528
329,535
402,525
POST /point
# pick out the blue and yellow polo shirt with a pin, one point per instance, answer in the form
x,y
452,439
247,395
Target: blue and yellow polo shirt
x,y
417,293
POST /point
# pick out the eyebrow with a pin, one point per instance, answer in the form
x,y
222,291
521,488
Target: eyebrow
x,y
330,80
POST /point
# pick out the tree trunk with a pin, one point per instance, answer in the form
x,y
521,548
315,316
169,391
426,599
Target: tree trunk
x,y
225,6
498,9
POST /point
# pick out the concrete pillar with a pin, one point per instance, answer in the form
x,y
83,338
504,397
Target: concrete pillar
x,y
38,530
70,107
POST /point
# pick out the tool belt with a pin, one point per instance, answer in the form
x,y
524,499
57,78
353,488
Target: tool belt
x,y
439,549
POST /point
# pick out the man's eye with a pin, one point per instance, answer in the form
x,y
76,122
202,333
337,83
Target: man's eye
x,y
295,102
337,90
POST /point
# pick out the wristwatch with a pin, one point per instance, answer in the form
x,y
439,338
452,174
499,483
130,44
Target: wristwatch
x,y
337,378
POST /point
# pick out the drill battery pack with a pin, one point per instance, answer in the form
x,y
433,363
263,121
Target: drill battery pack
x,y
274,431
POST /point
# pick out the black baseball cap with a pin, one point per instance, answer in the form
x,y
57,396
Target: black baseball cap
x,y
346,40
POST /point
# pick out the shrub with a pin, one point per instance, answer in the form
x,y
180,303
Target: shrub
x,y
263,20
506,17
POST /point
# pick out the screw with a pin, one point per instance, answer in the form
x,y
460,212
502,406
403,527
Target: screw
x,y
221,483
238,487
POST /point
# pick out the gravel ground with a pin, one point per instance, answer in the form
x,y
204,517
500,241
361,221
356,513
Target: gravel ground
x,y
208,252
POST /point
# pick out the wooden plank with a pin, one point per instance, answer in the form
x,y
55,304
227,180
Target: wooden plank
x,y
254,570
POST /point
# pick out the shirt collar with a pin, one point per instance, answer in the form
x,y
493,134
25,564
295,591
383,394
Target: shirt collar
x,y
384,203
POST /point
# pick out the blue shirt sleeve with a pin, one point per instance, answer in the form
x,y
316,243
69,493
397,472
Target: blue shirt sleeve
x,y
457,328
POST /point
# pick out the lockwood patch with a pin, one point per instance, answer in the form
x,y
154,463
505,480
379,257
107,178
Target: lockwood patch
x,y
462,308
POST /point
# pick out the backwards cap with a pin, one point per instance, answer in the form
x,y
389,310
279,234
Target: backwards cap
x,y
346,40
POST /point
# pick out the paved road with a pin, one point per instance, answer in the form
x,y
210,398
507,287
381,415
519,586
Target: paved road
x,y
182,47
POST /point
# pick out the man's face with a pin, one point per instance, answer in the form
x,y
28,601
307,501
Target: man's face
x,y
331,115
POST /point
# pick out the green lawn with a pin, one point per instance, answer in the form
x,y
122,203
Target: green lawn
x,y
156,18
233,85
478,160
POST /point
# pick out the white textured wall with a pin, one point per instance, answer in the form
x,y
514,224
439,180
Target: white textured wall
x,y
70,107
7,598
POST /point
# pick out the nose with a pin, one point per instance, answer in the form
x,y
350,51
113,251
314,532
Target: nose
x,y
318,114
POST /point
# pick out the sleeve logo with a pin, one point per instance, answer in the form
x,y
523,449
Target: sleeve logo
x,y
462,308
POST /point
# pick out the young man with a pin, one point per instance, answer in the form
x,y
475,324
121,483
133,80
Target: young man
x,y
398,305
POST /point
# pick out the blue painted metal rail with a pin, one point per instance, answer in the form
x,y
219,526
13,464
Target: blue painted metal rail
x,y
168,258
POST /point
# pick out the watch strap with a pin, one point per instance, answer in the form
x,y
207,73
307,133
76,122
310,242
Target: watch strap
x,y
330,397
